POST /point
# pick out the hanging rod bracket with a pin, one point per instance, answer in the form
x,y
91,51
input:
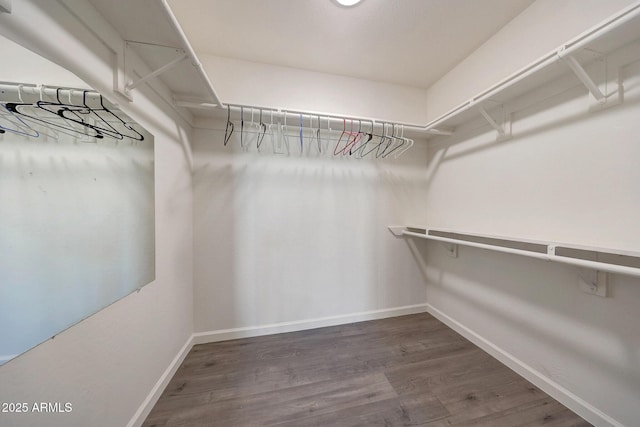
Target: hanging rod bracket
x,y
503,128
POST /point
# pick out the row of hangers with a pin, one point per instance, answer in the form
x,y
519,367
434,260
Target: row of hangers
x,y
357,138
64,116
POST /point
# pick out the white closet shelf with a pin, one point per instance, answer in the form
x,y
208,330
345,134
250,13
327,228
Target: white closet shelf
x,y
613,33
600,259
616,31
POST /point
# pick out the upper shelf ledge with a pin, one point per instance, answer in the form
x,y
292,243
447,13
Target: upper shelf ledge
x,y
601,259
609,35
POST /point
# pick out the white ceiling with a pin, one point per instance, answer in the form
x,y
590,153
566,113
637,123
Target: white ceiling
x,y
408,42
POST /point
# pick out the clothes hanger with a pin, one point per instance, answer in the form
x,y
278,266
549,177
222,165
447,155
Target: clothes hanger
x,y
399,144
253,130
410,144
78,115
318,137
263,127
328,138
49,123
390,141
377,146
49,126
242,127
138,136
405,143
361,148
285,138
355,139
59,109
227,134
344,132
20,127
301,139
273,135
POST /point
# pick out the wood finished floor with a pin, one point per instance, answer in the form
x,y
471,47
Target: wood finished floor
x,y
404,371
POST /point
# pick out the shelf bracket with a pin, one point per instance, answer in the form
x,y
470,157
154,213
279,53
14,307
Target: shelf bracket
x,y
133,84
593,282
124,82
452,249
504,129
582,75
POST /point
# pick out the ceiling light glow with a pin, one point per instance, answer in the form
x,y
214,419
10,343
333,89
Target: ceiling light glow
x,y
348,3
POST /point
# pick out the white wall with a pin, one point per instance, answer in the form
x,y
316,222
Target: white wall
x,y
567,175
250,83
106,365
300,238
24,66
541,28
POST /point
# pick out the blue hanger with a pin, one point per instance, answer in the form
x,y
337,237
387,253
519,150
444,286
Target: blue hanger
x,y
20,125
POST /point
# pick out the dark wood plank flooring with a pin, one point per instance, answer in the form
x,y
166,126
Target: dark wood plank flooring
x,y
404,371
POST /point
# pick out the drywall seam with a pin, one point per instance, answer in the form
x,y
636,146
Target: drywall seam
x,y
157,390
301,325
555,390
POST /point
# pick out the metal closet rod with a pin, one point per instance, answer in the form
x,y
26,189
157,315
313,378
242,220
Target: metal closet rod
x,y
295,115
18,91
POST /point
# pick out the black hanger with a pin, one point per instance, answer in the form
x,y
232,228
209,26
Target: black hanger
x,y
20,126
242,127
362,146
264,131
227,134
376,147
18,109
76,114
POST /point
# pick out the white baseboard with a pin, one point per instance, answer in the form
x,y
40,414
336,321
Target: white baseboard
x,y
155,393
300,325
254,331
555,390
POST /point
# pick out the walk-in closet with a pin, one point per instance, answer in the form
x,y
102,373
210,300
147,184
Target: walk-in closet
x,y
319,213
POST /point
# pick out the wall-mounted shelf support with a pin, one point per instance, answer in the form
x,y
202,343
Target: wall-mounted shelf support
x,y
182,55
503,129
626,18
582,75
593,282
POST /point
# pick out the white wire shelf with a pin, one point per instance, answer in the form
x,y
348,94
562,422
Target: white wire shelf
x,y
600,259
